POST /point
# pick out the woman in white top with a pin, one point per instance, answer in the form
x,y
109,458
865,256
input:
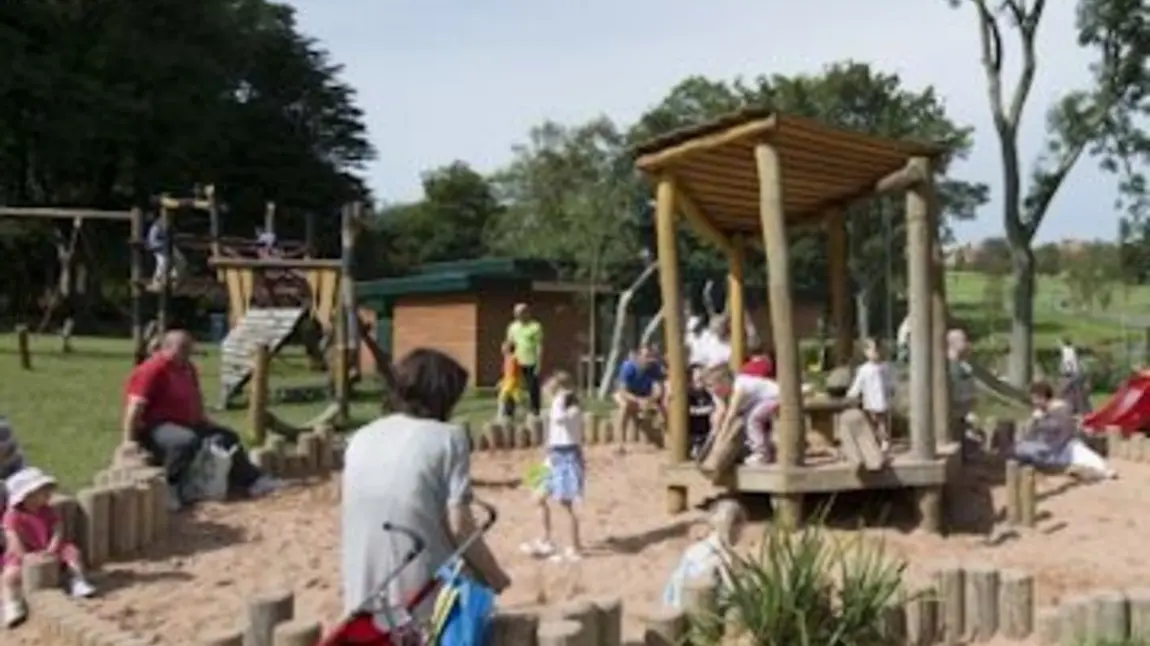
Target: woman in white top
x,y
874,388
566,466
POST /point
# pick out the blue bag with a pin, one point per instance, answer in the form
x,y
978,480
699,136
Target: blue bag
x,y
463,609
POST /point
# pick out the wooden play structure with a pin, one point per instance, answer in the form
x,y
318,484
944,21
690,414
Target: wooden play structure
x,y
66,251
271,291
751,177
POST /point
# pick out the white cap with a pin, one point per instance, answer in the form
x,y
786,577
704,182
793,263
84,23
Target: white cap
x,y
25,482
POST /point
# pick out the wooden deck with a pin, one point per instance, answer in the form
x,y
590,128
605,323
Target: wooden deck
x,y
902,472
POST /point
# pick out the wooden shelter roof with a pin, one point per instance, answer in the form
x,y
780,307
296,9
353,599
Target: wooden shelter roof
x,y
713,165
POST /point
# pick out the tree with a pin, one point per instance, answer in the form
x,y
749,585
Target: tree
x,y
1092,275
451,222
1047,259
994,256
1101,120
241,99
570,198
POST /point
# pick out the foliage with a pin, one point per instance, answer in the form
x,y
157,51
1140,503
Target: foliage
x,y
95,111
810,589
1102,120
994,298
1092,275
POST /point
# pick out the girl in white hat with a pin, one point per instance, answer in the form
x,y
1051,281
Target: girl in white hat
x,y
31,526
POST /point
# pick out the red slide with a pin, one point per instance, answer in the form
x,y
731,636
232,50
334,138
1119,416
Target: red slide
x,y
1128,409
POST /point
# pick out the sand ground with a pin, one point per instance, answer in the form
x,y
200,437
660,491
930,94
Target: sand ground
x,y
1089,536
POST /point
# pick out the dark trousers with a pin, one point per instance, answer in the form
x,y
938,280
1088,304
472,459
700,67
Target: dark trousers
x,y
175,448
531,383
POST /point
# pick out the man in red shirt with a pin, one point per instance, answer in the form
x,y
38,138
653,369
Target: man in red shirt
x,y
164,414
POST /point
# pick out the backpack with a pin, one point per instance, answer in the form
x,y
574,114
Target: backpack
x,y
207,476
463,609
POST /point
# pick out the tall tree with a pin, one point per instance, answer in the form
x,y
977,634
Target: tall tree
x,y
1102,119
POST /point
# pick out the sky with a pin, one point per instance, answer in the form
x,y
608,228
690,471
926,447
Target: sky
x,y
446,80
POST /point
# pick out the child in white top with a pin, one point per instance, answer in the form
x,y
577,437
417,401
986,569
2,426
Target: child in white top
x,y
747,399
566,466
711,556
874,386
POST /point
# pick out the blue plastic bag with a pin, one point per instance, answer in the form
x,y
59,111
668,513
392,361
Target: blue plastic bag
x,y
463,609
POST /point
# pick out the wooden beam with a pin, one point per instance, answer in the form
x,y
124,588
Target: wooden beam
x,y
176,203
697,219
736,300
837,279
669,284
945,430
136,276
63,213
920,297
227,262
656,160
788,366
903,179
213,219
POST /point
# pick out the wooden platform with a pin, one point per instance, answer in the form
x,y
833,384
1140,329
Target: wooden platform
x,y
825,476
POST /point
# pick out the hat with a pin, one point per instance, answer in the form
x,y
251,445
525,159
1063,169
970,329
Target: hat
x,y
25,482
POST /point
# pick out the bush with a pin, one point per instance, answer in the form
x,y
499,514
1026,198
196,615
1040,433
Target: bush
x,y
809,589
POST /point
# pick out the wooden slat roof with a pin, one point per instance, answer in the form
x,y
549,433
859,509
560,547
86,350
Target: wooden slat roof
x,y
822,166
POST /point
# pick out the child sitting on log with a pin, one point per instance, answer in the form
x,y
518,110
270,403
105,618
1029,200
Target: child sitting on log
x,y
746,404
31,526
1053,441
874,389
709,558
565,467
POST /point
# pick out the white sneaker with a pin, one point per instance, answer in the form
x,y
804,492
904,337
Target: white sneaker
x,y
81,589
756,459
538,548
14,613
264,486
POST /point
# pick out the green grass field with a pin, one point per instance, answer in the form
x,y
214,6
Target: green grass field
x,y
66,410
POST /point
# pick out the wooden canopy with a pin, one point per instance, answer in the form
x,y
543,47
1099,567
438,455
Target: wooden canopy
x,y
713,165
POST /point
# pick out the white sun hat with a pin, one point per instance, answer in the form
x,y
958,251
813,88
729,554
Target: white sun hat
x,y
25,482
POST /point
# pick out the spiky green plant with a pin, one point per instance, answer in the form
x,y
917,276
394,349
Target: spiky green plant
x,y
807,588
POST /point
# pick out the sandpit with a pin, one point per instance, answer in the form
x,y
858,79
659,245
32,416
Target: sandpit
x,y
219,556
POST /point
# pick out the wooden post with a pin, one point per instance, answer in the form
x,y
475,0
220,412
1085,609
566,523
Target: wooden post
x,y
665,209
940,365
837,279
950,583
296,633
345,313
1028,497
791,435
165,280
664,627
736,300
213,219
258,397
918,257
136,278
1139,601
560,632
1013,492
270,217
264,614
23,347
224,637
1015,604
981,603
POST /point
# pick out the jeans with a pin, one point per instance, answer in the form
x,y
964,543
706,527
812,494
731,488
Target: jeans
x,y
175,447
531,383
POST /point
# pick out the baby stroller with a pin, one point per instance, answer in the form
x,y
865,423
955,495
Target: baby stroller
x,y
375,623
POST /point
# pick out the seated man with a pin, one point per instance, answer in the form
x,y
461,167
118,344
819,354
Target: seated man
x,y
639,390
164,414
1053,440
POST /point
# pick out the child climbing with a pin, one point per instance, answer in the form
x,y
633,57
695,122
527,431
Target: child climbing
x,y
745,403
875,388
511,390
32,527
711,556
964,390
157,243
565,468
700,411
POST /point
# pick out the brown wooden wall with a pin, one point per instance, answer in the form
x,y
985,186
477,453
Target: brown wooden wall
x,y
447,322
564,322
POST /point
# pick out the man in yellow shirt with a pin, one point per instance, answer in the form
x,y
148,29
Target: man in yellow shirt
x,y
526,334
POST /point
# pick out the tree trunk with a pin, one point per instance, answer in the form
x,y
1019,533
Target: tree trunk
x,y
1022,324
622,310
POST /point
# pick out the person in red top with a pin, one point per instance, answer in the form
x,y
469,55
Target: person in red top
x,y
164,415
759,364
